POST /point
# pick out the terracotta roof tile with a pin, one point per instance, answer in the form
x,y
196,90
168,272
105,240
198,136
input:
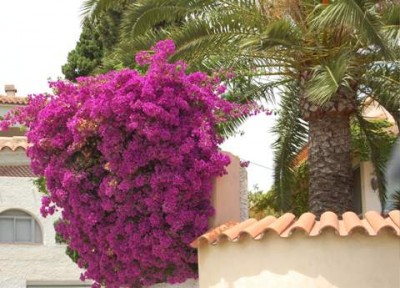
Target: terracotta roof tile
x,y
304,224
13,100
395,216
233,232
302,155
329,220
372,224
259,227
213,235
16,171
13,143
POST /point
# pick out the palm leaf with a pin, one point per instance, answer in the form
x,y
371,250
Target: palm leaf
x,y
355,15
378,141
328,78
94,8
292,135
396,200
391,26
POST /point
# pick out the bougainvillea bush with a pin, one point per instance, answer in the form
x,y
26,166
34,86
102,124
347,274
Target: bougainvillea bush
x,y
129,161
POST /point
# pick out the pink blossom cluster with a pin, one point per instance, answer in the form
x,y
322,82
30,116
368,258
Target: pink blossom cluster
x,y
129,161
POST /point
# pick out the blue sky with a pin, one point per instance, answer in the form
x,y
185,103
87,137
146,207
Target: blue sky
x,y
36,38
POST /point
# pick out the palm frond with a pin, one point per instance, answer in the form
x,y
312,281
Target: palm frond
x,y
292,135
277,33
327,79
396,200
391,24
381,82
143,16
94,8
379,146
355,15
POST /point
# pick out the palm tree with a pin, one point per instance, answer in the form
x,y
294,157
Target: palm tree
x,y
325,58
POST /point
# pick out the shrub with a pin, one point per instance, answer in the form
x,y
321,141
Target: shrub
x,y
129,161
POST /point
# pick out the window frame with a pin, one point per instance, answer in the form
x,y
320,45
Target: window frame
x,y
32,233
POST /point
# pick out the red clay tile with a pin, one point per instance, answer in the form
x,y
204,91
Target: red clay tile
x,y
395,216
316,230
342,229
233,232
282,223
286,225
375,220
13,100
329,220
212,235
259,227
368,227
306,222
390,225
352,222
16,171
13,143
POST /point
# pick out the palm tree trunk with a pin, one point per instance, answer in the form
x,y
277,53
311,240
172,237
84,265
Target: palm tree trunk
x,y
330,164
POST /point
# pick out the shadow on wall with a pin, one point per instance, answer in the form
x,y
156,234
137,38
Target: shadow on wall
x,y
299,261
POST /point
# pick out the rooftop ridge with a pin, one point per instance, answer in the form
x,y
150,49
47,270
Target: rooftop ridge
x,y
13,143
13,100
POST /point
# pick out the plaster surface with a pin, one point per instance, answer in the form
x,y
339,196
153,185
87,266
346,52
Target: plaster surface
x,y
326,261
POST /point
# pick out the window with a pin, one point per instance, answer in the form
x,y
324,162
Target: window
x,y
19,227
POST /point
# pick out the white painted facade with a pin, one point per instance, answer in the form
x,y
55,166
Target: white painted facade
x,y
325,261
369,197
25,264
44,264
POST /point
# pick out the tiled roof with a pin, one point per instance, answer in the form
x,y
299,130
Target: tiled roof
x,y
13,143
13,100
372,224
16,171
302,155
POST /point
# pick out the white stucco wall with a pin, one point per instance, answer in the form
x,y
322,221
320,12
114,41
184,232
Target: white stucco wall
x,y
326,261
244,195
22,264
369,197
17,157
31,262
190,283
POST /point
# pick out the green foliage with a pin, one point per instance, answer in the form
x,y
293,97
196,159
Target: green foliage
x,y
396,198
99,36
40,184
375,143
292,136
86,56
371,141
305,49
70,252
267,203
383,139
299,200
262,203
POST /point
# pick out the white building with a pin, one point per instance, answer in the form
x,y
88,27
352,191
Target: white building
x,y
29,254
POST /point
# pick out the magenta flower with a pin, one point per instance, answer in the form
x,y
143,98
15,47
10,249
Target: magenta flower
x,y
129,159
